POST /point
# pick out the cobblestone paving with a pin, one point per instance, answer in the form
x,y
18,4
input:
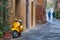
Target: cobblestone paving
x,y
46,32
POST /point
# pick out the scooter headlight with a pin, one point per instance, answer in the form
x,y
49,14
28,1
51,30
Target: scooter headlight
x,y
21,28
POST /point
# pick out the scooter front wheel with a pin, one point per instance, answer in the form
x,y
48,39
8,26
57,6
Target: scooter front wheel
x,y
15,34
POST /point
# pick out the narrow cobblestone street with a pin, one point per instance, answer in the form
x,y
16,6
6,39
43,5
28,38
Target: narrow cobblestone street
x,y
39,19
45,32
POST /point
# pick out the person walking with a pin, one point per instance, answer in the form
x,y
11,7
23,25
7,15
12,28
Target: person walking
x,y
49,15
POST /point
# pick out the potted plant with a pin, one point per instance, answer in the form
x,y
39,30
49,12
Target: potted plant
x,y
6,31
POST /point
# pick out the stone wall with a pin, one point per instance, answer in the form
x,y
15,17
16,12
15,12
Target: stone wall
x,y
23,12
12,11
20,13
40,12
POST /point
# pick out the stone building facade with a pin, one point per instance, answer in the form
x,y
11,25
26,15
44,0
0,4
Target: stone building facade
x,y
30,11
40,11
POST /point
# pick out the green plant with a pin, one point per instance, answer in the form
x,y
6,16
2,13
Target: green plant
x,y
4,28
57,14
4,17
1,34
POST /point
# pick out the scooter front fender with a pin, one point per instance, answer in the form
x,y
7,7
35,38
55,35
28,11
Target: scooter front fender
x,y
14,29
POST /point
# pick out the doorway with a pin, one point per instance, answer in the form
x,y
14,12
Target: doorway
x,y
30,13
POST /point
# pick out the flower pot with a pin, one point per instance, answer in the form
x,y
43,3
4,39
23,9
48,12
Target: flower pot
x,y
7,34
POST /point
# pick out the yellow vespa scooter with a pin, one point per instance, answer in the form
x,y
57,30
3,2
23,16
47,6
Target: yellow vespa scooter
x,y
17,28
